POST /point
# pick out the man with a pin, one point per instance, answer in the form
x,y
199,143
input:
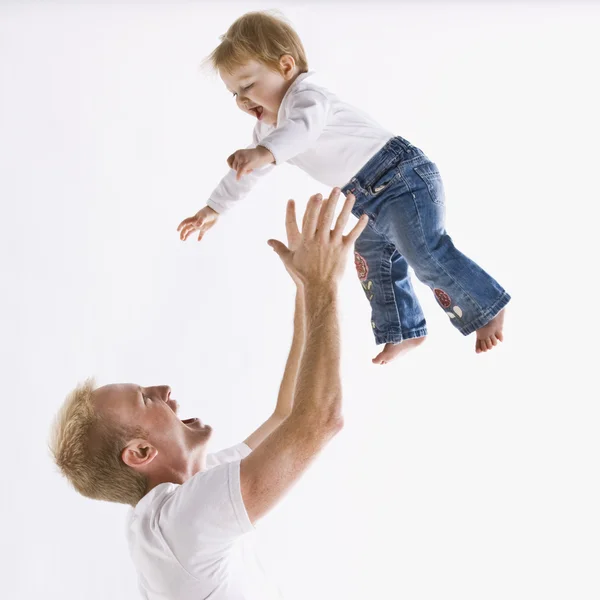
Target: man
x,y
192,511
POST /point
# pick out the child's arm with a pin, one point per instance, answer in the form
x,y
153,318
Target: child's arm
x,y
245,161
229,191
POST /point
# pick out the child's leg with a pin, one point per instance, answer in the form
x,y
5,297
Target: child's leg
x,y
396,315
412,217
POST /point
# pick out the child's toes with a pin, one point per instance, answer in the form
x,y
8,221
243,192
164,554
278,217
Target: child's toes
x,y
482,345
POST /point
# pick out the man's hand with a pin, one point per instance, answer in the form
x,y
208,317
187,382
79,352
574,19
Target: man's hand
x,y
202,221
245,161
315,254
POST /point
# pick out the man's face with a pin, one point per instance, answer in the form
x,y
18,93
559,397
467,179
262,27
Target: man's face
x,y
152,409
258,90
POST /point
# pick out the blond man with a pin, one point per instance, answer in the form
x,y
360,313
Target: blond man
x,y
193,513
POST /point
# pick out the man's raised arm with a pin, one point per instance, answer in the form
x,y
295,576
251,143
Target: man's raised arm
x,y
287,388
318,261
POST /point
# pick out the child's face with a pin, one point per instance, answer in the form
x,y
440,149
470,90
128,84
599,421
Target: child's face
x,y
258,90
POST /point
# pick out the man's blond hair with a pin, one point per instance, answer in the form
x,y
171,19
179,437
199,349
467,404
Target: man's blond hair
x,y
87,448
261,36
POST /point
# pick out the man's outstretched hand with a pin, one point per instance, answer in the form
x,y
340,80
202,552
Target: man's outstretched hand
x,y
317,254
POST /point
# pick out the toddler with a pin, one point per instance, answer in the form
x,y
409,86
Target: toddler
x,y
262,62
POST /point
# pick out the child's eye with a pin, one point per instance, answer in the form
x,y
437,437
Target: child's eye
x,y
246,88
233,94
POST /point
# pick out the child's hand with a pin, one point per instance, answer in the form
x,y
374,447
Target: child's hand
x,y
245,161
202,221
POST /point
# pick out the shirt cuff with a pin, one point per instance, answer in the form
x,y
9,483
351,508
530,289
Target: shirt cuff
x,y
218,208
269,147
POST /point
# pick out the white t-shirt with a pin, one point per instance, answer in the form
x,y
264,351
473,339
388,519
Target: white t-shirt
x,y
329,139
194,541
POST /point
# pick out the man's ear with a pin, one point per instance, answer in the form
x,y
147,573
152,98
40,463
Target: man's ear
x,y
287,65
138,453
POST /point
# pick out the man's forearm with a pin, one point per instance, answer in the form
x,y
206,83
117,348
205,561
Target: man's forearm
x,y
318,389
287,389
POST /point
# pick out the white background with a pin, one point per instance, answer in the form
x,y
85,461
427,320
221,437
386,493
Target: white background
x,y
457,475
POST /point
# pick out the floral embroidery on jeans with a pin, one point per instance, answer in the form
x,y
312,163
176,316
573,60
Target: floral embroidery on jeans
x,y
442,298
362,268
368,287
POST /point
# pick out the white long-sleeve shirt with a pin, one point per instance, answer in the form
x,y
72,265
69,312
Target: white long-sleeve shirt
x,y
327,138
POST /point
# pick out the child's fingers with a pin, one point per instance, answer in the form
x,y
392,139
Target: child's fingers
x,y
184,233
191,226
184,223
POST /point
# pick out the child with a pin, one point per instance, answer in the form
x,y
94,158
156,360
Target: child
x,y
262,62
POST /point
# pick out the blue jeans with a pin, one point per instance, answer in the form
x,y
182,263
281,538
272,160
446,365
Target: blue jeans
x,y
401,191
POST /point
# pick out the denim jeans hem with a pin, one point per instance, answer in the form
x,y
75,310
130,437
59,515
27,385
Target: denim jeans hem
x,y
486,316
397,338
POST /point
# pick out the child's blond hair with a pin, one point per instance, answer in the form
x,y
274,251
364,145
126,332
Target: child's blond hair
x,y
259,36
87,449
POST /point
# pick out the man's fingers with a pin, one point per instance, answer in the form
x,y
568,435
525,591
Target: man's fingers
x,y
291,222
327,212
357,229
311,216
344,215
280,248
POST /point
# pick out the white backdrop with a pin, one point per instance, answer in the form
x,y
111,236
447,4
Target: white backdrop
x,y
457,475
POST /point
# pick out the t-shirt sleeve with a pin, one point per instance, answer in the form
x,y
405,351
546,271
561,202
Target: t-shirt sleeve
x,y
205,515
236,452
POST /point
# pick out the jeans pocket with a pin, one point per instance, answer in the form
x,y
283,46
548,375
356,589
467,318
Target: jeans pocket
x,y
432,179
382,181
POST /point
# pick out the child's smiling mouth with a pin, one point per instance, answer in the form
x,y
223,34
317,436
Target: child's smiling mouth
x,y
257,111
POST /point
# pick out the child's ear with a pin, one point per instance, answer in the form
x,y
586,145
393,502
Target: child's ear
x,y
287,64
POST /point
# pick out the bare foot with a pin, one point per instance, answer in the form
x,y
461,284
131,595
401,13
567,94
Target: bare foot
x,y
489,335
391,351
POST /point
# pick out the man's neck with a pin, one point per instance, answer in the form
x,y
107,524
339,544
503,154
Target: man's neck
x,y
176,473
